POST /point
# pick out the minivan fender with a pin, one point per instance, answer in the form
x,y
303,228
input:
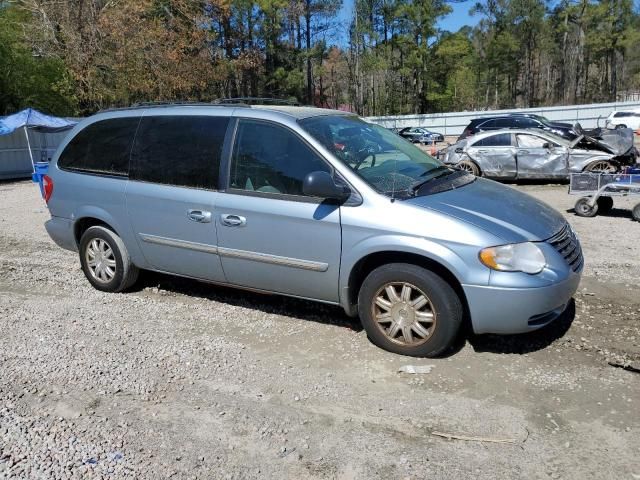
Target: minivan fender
x,y
86,212
91,211
394,245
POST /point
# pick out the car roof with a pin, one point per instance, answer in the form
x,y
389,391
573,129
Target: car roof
x,y
288,110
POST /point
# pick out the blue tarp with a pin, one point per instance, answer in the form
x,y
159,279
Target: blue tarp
x,y
31,118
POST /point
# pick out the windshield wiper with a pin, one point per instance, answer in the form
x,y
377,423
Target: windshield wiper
x,y
444,172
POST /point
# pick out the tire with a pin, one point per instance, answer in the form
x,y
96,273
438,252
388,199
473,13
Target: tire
x,y
425,329
117,272
618,127
469,166
601,166
605,205
635,212
583,209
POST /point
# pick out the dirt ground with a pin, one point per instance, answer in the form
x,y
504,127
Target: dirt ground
x,y
179,379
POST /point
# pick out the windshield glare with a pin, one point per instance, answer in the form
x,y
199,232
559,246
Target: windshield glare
x,y
383,159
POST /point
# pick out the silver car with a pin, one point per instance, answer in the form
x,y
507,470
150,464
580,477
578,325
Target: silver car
x,y
515,154
314,204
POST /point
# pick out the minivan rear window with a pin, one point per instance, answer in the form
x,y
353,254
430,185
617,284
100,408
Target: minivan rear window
x,y
102,147
181,150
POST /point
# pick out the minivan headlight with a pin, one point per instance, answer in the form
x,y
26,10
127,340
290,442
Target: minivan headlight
x,y
516,257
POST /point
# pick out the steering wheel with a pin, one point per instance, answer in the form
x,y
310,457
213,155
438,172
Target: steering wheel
x,y
364,153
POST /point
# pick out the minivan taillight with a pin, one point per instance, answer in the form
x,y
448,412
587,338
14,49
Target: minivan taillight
x,y
47,187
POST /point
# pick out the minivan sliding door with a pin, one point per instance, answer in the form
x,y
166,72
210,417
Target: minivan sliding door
x,y
171,194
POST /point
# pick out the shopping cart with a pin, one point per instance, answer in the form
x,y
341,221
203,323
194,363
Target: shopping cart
x,y
598,189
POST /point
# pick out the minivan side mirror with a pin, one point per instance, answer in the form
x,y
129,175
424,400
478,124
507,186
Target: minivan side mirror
x,y
322,184
546,145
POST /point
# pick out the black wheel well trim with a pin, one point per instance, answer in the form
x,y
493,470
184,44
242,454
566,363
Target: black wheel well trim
x,y
370,262
81,225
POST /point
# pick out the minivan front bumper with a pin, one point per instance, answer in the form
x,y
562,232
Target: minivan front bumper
x,y
518,310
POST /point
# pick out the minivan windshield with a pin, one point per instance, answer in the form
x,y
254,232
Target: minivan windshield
x,y
386,161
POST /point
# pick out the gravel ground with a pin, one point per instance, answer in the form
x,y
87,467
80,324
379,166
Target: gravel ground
x,y
178,379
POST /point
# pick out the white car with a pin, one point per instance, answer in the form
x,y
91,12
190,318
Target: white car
x,y
624,119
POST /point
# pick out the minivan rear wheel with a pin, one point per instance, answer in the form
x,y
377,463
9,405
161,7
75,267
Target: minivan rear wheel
x,y
409,310
105,260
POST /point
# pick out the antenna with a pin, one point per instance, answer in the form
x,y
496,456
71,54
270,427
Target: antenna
x,y
395,173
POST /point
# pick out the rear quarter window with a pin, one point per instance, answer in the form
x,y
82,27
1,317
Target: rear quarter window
x,y
103,147
487,124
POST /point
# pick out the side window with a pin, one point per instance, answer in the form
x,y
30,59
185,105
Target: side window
x,y
530,141
500,140
268,158
102,147
504,123
180,150
526,123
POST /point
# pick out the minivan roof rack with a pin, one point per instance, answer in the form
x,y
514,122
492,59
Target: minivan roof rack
x,y
172,103
245,102
175,102
257,101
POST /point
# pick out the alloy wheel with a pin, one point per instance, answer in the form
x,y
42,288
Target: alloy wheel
x,y
100,260
404,313
602,167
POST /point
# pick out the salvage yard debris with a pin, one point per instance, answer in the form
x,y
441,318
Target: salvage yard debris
x,y
416,369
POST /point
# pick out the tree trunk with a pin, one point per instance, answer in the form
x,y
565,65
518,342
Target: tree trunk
x,y
307,16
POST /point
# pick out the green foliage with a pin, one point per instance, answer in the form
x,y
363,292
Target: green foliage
x,y
66,60
29,79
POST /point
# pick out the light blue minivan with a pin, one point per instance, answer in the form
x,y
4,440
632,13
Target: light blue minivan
x,y
315,204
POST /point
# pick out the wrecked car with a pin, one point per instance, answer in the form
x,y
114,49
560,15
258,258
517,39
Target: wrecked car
x,y
513,154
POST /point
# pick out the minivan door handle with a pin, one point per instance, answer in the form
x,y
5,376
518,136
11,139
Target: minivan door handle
x,y
199,216
231,220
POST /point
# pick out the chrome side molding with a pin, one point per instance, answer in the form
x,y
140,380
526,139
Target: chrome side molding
x,y
172,242
240,254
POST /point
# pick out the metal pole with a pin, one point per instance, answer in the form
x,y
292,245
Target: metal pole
x,y
26,134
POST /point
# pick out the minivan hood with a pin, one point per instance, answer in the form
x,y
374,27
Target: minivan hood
x,y
498,209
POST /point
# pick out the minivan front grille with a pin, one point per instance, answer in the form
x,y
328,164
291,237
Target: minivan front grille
x,y
567,244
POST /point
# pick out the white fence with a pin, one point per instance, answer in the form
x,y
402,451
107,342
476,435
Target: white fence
x,y
453,123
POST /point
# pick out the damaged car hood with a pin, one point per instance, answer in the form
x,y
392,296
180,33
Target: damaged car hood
x,y
616,142
511,215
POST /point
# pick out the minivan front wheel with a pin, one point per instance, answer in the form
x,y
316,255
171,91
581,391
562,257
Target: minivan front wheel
x,y
105,260
409,310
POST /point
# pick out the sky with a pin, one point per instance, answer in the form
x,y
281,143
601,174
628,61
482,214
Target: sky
x,y
458,18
